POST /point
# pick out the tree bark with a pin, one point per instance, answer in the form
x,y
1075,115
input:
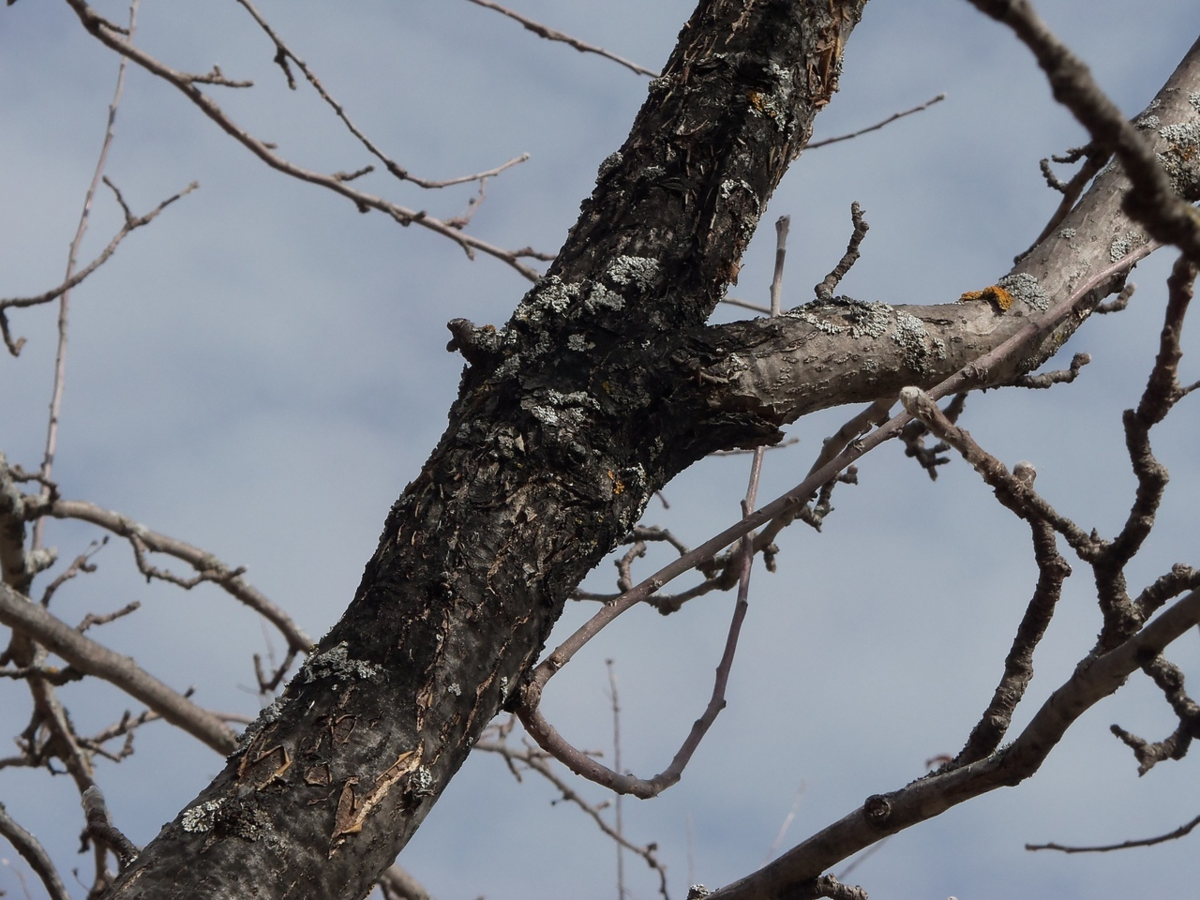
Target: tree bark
x,y
605,384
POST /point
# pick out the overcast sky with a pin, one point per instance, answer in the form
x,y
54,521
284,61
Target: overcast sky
x,y
261,371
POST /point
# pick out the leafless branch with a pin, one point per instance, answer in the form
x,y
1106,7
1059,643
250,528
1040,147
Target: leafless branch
x,y
1154,200
539,762
112,38
34,854
284,53
208,568
1179,832
1062,376
132,223
551,35
888,121
19,612
825,289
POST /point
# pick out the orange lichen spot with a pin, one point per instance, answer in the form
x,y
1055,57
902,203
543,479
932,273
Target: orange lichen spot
x,y
618,484
756,100
995,293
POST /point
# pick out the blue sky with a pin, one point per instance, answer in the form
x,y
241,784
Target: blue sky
x,y
261,371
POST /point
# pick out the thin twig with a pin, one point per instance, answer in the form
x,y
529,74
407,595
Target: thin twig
x,y
64,303
888,121
33,853
112,38
283,53
1179,832
551,35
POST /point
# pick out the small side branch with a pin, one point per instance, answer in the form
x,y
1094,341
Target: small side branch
x,y
1181,831
34,854
114,38
551,35
21,613
888,121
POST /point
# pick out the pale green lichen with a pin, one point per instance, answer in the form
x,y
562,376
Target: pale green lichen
x,y
600,297
1147,122
914,342
641,271
559,409
1124,244
1194,99
1181,160
1067,233
869,319
1025,287
802,313
336,663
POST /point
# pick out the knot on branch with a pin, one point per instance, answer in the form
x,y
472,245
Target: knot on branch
x,y
478,346
878,809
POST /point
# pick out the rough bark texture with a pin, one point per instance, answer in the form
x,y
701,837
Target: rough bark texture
x,y
566,422
604,385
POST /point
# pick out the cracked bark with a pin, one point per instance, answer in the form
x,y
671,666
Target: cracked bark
x,y
605,383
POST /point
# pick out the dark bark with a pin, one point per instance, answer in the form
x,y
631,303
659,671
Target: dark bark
x,y
566,423
605,383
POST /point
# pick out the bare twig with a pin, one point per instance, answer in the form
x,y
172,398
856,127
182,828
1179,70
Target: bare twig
x,y
86,655
551,35
113,38
1179,832
75,277
619,822
207,566
100,827
889,120
538,762
34,854
284,53
825,289
1061,376
64,306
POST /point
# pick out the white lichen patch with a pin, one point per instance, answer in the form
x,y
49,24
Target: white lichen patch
x,y
1147,122
420,782
802,313
640,271
1124,244
914,340
1025,287
1067,233
1194,99
1181,161
1185,134
869,319
559,409
201,817
610,163
265,718
336,663
600,297
579,343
